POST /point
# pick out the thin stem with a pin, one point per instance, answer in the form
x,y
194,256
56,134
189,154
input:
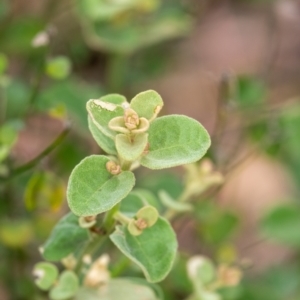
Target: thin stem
x,y
31,164
109,220
90,249
122,218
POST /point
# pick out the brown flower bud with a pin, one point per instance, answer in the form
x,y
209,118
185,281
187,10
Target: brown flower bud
x,y
113,168
141,224
131,119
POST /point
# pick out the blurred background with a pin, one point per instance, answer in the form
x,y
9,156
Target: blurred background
x,y
234,65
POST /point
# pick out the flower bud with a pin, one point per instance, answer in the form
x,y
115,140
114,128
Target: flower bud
x,y
131,119
113,168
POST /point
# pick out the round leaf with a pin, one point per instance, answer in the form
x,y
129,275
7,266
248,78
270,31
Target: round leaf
x,y
115,99
66,287
153,251
93,190
147,104
175,140
66,237
46,273
58,67
130,151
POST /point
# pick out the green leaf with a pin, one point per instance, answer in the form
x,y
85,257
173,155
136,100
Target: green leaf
x,y
175,140
58,67
153,251
105,143
102,112
114,98
67,286
93,190
44,190
3,63
66,237
147,104
282,224
46,274
116,289
128,150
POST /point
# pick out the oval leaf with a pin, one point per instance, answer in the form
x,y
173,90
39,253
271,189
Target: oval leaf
x,y
105,143
130,151
46,274
153,251
66,237
147,104
93,190
175,140
115,99
66,287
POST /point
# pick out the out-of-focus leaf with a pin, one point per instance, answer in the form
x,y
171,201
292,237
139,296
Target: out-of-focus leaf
x,y
120,288
16,234
3,61
72,93
250,91
58,67
66,287
17,94
128,37
282,224
46,274
18,35
44,190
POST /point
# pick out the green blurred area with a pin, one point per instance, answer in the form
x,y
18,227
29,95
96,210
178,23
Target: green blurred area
x,y
53,58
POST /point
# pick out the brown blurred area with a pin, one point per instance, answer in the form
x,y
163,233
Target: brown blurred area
x,y
237,37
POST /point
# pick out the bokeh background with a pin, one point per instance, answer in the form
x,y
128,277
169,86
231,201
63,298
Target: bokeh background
x,y
233,65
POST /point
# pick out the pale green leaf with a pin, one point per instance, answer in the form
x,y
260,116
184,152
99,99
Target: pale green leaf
x,y
58,67
117,289
66,237
105,143
115,99
147,104
46,275
175,140
131,150
67,286
102,112
93,190
153,251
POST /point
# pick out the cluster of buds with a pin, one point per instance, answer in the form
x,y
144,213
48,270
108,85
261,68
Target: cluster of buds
x,y
201,177
130,123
